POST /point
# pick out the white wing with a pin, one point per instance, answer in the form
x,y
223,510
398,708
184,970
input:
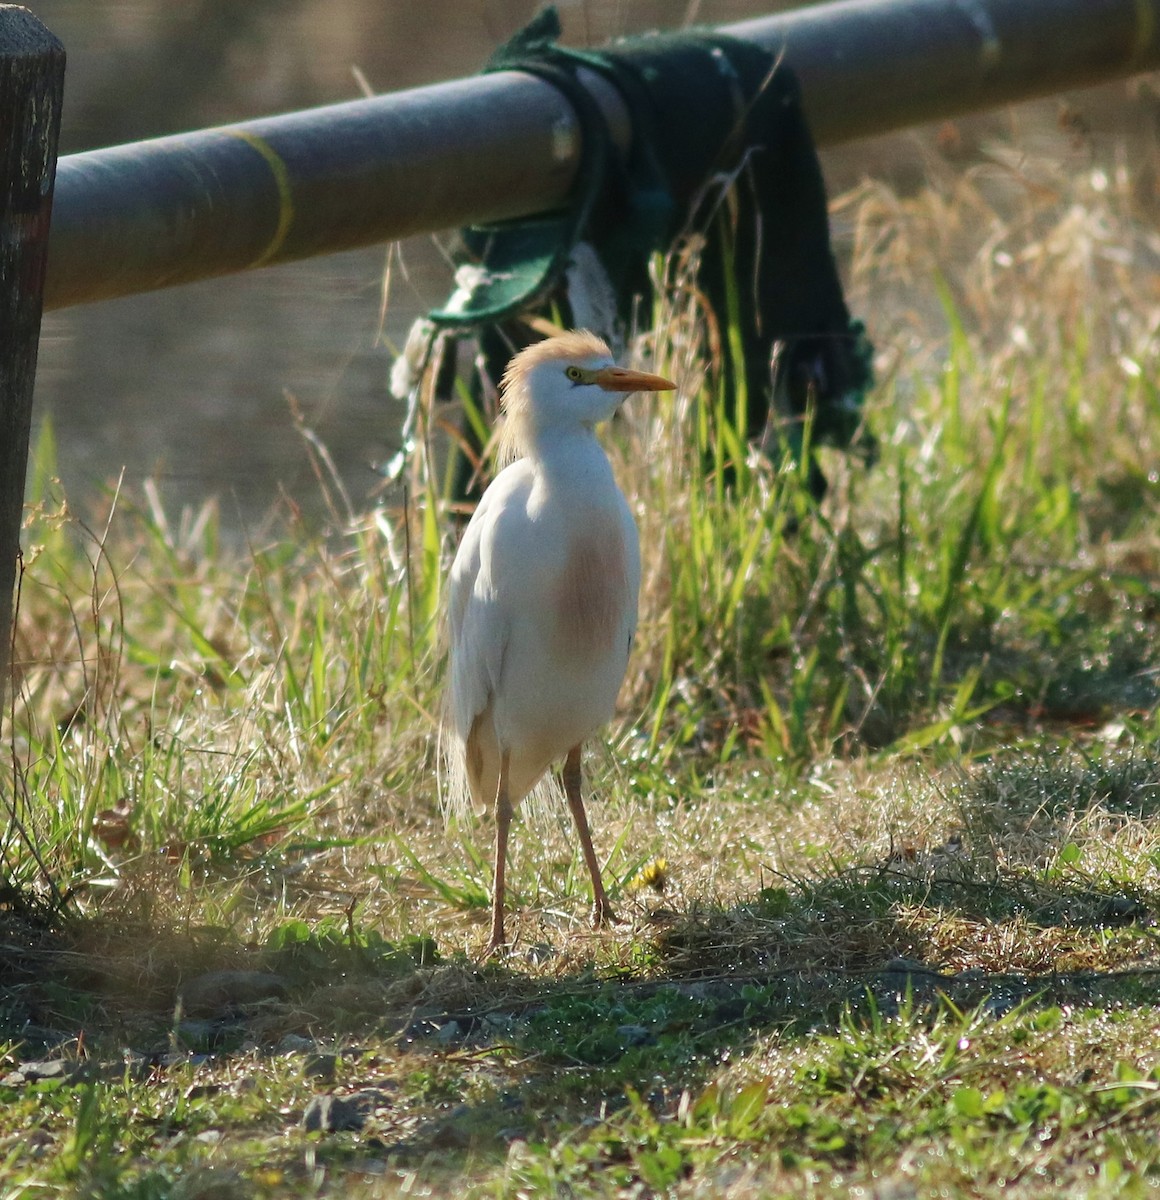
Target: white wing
x,y
478,624
632,566
479,628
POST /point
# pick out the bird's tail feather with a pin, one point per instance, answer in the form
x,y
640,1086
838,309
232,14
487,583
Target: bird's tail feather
x,y
541,806
455,798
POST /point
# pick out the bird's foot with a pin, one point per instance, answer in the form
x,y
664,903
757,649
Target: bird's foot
x,y
603,916
496,944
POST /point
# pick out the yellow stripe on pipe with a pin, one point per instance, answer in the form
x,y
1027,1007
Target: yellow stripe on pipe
x,y
282,181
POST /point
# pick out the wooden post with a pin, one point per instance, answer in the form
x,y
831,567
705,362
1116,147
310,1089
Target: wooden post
x,y
31,87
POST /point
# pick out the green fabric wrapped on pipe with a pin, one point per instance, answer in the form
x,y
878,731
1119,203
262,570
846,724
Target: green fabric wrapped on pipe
x,y
721,160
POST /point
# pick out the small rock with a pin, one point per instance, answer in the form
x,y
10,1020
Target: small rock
x,y
211,1183
889,1004
448,1033
209,1037
332,1114
295,1043
48,1043
1122,910
369,1099
137,1067
897,1187
453,1133
182,1058
203,1036
67,1069
499,1024
908,966
37,1140
320,1066
729,1011
999,1005
371,1168
357,997
217,991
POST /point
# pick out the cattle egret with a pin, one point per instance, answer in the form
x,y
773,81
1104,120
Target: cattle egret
x,y
543,595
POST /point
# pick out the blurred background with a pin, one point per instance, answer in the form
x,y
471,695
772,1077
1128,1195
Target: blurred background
x,y
195,386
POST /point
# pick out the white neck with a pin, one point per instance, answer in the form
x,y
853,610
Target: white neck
x,y
572,453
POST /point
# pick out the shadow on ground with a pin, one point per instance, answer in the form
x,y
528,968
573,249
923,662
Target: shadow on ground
x,y
400,1055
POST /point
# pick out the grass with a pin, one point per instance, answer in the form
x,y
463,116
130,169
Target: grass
x,y
879,811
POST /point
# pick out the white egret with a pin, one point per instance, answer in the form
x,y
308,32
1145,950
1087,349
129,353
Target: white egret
x,y
543,596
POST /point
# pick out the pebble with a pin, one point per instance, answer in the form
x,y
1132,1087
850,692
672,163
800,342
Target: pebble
x,y
448,1033
217,991
332,1114
999,1005
910,966
295,1043
67,1069
453,1132
321,1066
499,1024
204,1036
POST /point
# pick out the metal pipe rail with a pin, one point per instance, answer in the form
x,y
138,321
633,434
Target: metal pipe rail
x,y
172,210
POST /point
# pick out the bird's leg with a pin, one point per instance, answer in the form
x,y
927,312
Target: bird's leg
x,y
602,913
503,820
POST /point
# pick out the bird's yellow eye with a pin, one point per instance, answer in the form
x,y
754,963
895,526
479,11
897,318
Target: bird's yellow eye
x,y
574,373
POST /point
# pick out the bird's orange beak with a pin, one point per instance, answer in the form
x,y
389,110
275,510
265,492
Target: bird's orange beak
x,y
620,379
